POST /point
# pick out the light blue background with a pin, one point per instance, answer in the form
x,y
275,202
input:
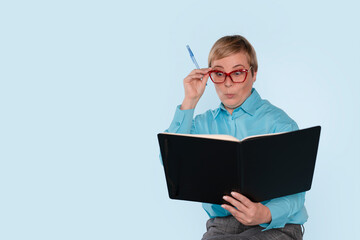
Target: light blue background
x,y
85,86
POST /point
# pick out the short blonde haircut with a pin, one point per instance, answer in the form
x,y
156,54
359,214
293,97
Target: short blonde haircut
x,y
229,45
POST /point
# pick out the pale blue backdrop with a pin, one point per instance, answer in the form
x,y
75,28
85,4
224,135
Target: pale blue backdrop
x,y
85,86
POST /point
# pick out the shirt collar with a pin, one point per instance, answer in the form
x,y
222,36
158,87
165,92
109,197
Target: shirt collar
x,y
252,103
249,106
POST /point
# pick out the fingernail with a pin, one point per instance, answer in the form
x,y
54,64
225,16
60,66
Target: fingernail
x,y
233,193
225,197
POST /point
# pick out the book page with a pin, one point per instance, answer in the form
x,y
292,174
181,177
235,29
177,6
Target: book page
x,y
209,136
224,136
262,135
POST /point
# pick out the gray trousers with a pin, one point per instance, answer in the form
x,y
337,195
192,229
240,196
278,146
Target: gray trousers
x,y
229,228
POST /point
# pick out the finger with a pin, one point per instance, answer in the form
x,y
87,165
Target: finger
x,y
237,214
244,200
201,70
196,77
235,203
205,79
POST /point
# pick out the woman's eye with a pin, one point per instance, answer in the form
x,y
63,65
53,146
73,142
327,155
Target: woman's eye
x,y
219,74
238,73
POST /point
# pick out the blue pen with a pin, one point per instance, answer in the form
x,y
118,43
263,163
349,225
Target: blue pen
x,y
192,57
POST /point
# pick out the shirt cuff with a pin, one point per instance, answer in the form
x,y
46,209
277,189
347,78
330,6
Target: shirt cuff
x,y
278,216
283,208
182,121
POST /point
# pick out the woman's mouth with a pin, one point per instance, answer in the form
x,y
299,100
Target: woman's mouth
x,y
229,95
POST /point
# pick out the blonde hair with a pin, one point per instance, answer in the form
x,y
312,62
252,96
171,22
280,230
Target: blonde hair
x,y
229,45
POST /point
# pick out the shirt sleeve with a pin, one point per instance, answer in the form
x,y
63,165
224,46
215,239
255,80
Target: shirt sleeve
x,y
182,122
284,208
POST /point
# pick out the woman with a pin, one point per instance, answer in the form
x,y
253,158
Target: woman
x,y
233,68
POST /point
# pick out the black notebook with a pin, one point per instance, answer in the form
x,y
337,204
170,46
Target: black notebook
x,y
204,168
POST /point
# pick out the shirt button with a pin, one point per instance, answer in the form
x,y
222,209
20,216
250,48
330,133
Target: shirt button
x,y
177,123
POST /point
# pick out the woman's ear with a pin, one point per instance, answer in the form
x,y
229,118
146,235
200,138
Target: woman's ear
x,y
254,76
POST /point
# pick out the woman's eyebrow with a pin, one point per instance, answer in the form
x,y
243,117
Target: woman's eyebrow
x,y
238,65
217,66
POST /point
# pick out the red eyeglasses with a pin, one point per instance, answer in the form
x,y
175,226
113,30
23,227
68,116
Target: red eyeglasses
x,y
237,76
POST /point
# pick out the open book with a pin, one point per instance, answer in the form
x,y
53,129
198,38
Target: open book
x,y
204,168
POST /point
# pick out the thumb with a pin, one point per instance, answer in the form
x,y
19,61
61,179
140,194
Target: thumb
x,y
205,79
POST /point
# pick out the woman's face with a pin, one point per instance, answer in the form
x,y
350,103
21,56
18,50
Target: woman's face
x,y
233,94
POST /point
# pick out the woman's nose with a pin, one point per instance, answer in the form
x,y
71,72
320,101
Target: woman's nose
x,y
228,82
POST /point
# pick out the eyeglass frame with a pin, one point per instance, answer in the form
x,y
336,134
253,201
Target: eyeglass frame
x,y
229,74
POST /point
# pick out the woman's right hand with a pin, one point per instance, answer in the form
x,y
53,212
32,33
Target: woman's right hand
x,y
194,86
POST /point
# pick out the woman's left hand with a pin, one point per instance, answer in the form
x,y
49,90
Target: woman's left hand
x,y
245,211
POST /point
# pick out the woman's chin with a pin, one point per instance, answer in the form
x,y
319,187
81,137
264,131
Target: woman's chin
x,y
229,101
230,105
